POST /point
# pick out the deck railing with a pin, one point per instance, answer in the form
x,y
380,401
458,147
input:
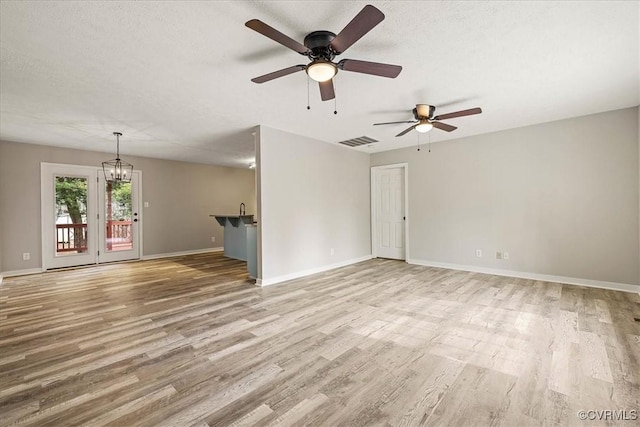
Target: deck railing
x,y
73,237
118,232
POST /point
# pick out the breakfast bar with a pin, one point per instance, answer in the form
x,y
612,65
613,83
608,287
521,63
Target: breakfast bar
x,y
235,234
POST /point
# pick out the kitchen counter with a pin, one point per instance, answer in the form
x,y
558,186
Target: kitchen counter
x,y
235,220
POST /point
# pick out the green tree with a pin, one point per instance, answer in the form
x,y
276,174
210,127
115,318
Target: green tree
x,y
121,201
71,195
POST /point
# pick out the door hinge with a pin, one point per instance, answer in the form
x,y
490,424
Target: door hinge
x,y
98,253
98,216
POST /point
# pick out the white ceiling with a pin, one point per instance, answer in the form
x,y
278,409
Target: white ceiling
x,y
174,76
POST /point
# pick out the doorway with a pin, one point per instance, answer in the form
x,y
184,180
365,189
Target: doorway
x,y
85,220
389,202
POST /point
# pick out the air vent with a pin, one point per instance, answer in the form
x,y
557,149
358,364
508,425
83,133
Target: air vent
x,y
357,142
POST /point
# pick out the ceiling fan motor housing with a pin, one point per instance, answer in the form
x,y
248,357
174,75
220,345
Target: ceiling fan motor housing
x,y
319,42
424,111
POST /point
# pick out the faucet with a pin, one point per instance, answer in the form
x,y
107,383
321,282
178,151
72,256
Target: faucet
x,y
242,209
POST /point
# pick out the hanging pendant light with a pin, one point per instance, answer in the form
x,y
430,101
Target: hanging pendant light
x,y
116,170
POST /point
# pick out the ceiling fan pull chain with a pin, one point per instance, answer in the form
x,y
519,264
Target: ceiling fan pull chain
x,y
308,106
429,142
335,99
418,140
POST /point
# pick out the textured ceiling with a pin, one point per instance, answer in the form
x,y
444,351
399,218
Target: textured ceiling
x,y
174,77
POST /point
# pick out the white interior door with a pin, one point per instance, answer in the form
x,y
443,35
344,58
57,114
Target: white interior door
x,y
119,219
389,212
68,215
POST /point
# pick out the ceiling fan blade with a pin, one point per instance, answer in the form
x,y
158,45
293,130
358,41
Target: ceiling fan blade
x,y
443,126
275,35
363,22
406,131
468,112
366,67
279,73
326,90
393,123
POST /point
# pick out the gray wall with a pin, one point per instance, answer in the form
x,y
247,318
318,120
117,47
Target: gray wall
x,y
181,196
314,196
562,198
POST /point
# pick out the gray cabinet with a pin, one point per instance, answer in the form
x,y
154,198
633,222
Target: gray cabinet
x,y
235,234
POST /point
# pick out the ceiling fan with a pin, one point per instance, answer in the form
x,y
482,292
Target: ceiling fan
x,y
321,47
425,119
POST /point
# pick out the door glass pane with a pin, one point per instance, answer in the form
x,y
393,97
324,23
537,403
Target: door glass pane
x,y
71,215
118,217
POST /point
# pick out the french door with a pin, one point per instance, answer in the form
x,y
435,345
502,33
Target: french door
x,y
118,219
84,219
69,215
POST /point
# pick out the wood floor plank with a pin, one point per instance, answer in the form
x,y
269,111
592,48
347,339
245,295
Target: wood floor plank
x,y
253,418
210,404
69,404
192,341
299,411
132,406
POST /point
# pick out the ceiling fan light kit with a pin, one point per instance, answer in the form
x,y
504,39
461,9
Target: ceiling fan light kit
x,y
321,70
424,127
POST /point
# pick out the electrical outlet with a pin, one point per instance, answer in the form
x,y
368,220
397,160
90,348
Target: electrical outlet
x,y
498,255
26,256
478,253
505,255
146,204
213,238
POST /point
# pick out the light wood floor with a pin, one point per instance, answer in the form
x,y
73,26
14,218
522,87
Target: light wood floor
x,y
191,341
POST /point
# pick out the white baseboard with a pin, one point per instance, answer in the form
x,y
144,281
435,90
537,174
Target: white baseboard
x,y
309,272
24,272
533,276
183,253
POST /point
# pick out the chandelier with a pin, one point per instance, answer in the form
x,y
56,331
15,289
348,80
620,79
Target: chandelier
x,y
116,170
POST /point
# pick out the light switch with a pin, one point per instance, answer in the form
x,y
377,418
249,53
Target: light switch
x,y
146,204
